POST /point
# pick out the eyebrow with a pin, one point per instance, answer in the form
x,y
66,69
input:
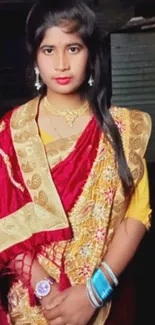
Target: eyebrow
x,y
68,45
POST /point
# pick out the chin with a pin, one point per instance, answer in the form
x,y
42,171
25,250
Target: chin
x,y
65,90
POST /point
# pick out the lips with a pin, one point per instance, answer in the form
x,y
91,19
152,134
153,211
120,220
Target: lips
x,y
63,81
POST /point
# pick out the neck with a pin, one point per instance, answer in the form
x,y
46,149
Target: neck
x,y
62,101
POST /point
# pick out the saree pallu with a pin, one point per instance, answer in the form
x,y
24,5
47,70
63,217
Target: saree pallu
x,y
81,196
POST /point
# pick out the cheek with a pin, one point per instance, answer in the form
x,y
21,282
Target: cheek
x,y
81,66
44,64
40,60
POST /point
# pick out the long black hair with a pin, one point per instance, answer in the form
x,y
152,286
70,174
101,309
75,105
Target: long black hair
x,y
47,13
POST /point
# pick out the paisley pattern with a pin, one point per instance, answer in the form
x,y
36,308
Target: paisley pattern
x,y
33,162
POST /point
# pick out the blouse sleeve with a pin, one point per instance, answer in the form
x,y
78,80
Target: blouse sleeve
x,y
139,206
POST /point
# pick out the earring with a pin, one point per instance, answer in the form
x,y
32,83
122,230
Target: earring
x,y
91,81
37,83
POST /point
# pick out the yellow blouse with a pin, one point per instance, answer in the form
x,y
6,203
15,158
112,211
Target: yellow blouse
x,y
46,138
139,207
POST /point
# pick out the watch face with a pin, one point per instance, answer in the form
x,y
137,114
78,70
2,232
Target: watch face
x,y
43,288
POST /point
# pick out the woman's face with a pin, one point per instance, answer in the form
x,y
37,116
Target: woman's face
x,y
62,60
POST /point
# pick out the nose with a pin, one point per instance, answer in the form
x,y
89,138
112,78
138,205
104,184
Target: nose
x,y
62,62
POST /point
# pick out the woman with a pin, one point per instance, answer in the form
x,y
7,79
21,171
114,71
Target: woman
x,y
75,201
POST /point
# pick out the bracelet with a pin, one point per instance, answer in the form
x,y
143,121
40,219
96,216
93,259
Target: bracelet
x,y
110,272
91,296
101,285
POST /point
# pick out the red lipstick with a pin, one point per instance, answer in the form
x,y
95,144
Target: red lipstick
x,y
63,81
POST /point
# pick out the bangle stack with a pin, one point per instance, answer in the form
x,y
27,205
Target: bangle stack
x,y
98,288
91,296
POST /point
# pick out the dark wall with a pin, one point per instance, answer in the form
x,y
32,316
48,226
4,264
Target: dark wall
x,y
145,266
133,75
13,58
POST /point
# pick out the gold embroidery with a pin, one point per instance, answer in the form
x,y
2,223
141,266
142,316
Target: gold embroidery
x,y
21,137
27,168
33,161
2,126
90,216
137,123
9,170
58,150
19,118
35,181
21,153
42,198
21,313
25,222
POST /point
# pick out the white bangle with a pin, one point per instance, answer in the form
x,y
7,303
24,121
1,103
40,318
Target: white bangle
x,y
91,296
110,272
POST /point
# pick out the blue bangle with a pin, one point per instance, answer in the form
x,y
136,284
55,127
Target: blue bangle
x,y
97,295
101,285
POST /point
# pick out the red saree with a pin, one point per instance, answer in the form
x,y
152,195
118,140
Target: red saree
x,y
16,194
79,198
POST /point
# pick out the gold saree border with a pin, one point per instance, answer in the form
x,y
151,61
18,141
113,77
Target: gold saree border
x,y
33,162
140,131
135,130
60,149
29,220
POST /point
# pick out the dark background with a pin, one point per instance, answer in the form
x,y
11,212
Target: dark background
x,y
14,90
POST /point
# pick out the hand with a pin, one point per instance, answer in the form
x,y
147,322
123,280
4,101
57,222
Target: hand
x,y
72,306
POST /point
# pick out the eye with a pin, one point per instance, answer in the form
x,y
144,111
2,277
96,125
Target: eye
x,y
48,50
74,49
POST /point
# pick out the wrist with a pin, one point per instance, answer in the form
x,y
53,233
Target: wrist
x,y
44,287
46,301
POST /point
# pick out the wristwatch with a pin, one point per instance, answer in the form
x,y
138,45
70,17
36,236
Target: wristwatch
x,y
43,287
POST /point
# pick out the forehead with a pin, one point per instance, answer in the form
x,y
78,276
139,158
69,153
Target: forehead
x,y
58,35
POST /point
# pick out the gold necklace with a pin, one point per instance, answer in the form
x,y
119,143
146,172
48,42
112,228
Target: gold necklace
x,y
69,115
51,122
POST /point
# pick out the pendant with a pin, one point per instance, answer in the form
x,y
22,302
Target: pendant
x,y
70,120
70,117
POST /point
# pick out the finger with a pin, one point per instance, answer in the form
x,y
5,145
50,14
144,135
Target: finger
x,y
52,314
57,300
57,321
